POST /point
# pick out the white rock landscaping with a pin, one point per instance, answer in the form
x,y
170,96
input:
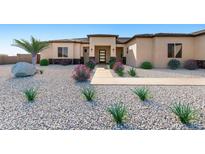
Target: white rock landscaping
x,y
60,105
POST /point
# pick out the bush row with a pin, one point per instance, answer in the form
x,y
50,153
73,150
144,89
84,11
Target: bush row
x,y
189,64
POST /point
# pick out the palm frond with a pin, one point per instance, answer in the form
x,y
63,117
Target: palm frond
x,y
34,46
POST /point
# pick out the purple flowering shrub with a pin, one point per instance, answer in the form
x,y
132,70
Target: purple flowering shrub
x,y
81,73
119,68
191,64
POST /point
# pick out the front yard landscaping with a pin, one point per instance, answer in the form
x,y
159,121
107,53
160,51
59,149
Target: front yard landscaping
x,y
62,103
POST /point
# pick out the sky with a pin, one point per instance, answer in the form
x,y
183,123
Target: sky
x,y
62,31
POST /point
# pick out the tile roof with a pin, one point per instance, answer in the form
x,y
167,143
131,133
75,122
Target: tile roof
x,y
102,35
121,40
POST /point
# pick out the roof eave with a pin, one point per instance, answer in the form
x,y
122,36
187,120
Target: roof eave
x,y
102,35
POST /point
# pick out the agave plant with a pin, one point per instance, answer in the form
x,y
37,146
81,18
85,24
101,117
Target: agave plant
x,y
142,93
184,112
120,72
30,94
118,112
89,94
132,72
33,47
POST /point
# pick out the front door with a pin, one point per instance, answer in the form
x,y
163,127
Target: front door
x,y
102,56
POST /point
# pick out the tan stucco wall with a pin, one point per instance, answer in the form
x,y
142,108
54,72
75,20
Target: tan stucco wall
x,y
160,58
47,53
102,41
74,51
199,47
132,55
82,49
155,50
140,50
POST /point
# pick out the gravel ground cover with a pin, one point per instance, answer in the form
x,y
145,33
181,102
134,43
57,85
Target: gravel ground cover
x,y
60,105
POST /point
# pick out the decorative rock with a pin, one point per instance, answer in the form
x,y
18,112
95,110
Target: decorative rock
x,y
60,104
23,69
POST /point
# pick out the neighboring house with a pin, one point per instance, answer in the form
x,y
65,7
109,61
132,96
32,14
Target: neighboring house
x,y
157,48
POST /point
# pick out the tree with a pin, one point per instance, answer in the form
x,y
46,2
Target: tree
x,y
34,47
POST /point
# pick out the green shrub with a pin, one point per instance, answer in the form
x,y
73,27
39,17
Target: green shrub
x,y
174,64
112,62
146,65
30,94
44,62
120,72
118,112
142,93
132,72
40,71
119,68
184,112
89,94
91,64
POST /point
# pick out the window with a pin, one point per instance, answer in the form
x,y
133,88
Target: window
x,y
175,50
62,52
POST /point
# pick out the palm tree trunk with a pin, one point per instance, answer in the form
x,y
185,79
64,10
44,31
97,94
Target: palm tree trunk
x,y
34,59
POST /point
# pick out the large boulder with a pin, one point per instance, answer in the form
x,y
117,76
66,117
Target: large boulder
x,y
23,69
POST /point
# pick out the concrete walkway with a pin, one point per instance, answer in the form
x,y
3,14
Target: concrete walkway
x,y
104,77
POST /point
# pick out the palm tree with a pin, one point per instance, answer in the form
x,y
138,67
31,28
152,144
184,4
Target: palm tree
x,y
34,47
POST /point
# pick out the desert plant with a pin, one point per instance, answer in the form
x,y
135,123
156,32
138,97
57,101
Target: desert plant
x,y
118,66
89,94
118,112
120,72
146,65
30,94
44,62
173,64
33,47
41,71
184,112
91,64
190,64
81,73
142,93
132,72
112,62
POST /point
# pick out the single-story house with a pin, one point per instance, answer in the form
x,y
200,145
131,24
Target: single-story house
x,y
157,48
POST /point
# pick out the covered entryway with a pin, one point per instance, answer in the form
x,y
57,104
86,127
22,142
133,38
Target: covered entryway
x,y
119,54
102,54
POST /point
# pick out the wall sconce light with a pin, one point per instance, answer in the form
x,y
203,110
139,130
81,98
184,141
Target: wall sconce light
x,y
113,50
